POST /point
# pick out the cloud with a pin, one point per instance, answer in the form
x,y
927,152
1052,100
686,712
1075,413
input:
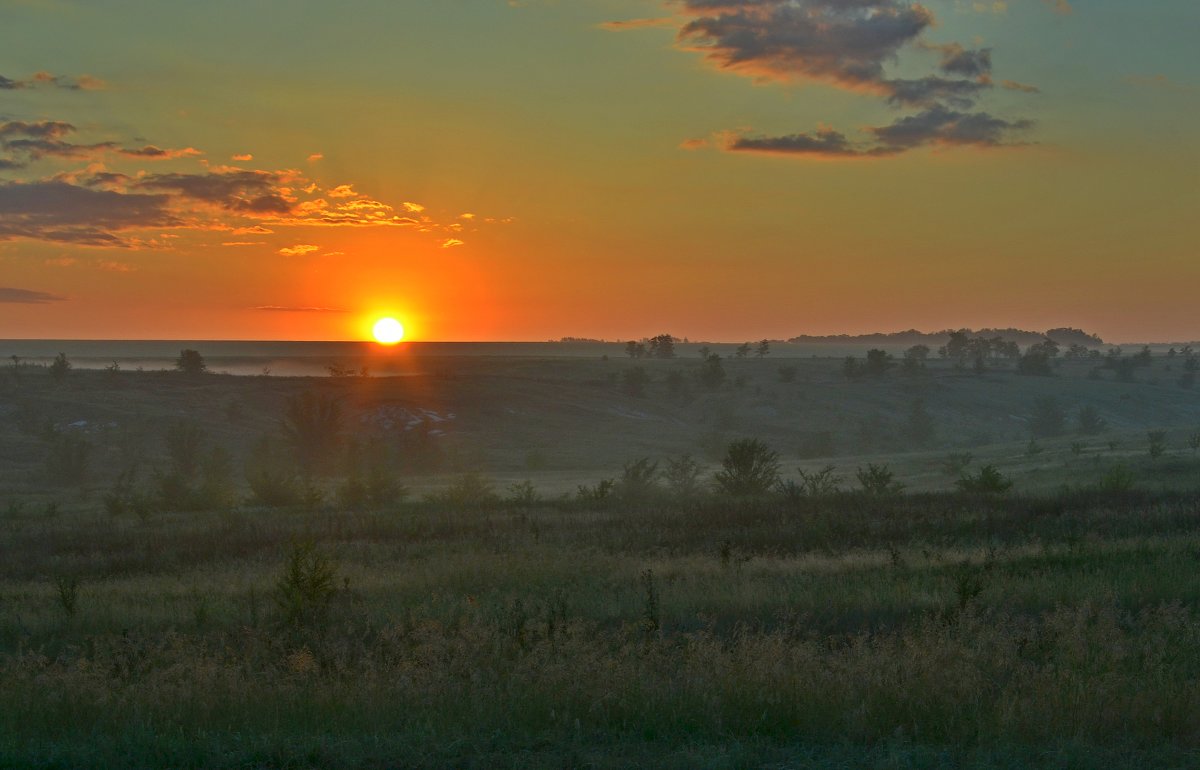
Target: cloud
x,y
851,45
47,80
342,191
1013,85
297,309
943,126
249,192
298,250
450,243
53,210
242,157
1061,7
150,152
244,243
316,156
937,126
1156,81
697,143
620,26
27,296
415,208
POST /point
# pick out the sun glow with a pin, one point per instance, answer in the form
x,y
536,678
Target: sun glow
x,y
388,331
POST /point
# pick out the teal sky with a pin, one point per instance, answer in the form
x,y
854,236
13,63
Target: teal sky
x,y
620,183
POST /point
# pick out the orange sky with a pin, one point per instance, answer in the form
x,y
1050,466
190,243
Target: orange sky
x,y
530,170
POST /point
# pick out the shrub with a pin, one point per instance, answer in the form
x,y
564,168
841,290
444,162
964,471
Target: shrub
x,y
469,489
878,480
712,373
523,494
987,481
1117,480
595,494
638,479
60,368
307,585
682,475
1089,420
787,374
818,483
750,467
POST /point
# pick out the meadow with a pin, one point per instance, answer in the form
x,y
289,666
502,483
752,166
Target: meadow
x,y
531,562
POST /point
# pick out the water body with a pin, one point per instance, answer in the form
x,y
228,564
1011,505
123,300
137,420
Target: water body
x,y
315,359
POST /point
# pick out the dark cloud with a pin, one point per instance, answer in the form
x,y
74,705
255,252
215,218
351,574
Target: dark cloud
x,y
827,143
247,192
27,142
844,42
27,296
59,211
957,60
47,80
927,91
42,129
942,126
850,44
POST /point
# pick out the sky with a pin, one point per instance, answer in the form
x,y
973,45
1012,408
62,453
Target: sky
x,y
533,169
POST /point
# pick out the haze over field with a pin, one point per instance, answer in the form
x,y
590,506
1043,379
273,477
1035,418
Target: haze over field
x,y
524,170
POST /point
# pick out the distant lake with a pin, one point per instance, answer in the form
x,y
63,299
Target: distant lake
x,y
313,359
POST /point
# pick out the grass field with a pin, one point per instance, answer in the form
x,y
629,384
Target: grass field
x,y
1054,625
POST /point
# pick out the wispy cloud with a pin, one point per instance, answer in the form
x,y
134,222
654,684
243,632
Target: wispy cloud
x,y
297,309
27,296
299,250
620,26
48,80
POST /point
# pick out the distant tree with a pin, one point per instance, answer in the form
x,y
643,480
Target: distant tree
x,y
914,359
743,350
1143,357
749,468
1048,419
635,349
764,347
712,373
853,368
60,368
639,480
878,362
191,362
820,483
704,351
662,346
1035,362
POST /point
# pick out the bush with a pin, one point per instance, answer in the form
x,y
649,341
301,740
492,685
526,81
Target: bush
x,y
60,368
987,481
955,464
819,483
878,480
638,479
1157,443
1048,419
307,585
1089,420
712,373
750,467
1117,480
469,489
634,381
595,494
682,475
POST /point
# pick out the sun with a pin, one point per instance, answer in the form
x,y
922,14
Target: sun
x,y
388,331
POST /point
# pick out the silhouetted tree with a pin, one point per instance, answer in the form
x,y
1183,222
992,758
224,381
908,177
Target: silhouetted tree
x,y
60,368
662,346
635,349
878,362
190,362
743,350
764,347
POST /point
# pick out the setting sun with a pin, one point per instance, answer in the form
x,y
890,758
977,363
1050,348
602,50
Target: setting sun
x,y
388,331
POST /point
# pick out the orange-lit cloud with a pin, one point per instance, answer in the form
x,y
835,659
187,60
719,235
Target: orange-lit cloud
x,y
619,26
298,250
